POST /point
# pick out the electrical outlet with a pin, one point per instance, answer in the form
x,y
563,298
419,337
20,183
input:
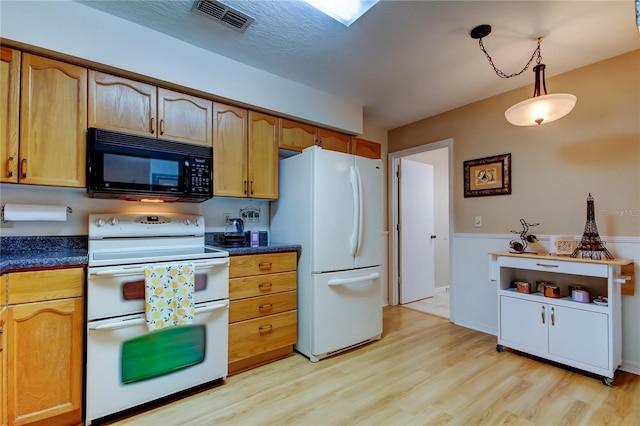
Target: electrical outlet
x,y
477,221
225,218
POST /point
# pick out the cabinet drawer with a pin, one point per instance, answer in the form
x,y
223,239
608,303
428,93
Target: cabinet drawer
x,y
33,286
261,285
256,336
555,266
254,307
258,264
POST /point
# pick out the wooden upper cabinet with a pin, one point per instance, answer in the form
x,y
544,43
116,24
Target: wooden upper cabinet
x,y
129,106
296,136
365,148
9,113
263,156
53,122
334,141
229,151
184,117
120,104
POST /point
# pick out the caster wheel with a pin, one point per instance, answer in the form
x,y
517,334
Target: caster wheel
x,y
607,381
499,348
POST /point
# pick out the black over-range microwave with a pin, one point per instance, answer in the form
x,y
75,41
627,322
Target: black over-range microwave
x,y
133,167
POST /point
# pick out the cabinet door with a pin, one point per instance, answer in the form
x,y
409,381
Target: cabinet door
x,y
44,358
263,156
333,141
579,335
296,136
120,104
9,113
229,151
184,118
53,122
523,325
365,148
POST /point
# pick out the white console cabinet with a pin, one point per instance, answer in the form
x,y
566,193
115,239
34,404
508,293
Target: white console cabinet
x,y
586,336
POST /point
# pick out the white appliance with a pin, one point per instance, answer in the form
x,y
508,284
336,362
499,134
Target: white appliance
x,y
331,204
127,365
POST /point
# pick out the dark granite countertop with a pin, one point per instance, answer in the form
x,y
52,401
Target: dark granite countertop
x,y
20,253
270,248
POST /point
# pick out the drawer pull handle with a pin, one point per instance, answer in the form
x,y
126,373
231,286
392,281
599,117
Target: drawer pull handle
x,y
265,286
23,167
152,125
547,265
265,307
264,265
542,314
265,328
553,317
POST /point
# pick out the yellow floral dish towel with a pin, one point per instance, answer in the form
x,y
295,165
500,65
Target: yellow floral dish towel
x,y
169,295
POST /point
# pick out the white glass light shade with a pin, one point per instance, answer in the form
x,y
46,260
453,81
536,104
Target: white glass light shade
x,y
540,109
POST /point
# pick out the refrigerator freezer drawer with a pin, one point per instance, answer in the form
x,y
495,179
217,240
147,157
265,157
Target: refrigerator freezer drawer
x,y
347,309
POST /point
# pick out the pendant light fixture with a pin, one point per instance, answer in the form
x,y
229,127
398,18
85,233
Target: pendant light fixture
x,y
541,108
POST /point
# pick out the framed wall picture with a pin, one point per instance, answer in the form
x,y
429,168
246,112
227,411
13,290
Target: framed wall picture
x,y
487,176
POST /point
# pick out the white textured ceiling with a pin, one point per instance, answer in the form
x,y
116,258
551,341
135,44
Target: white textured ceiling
x,y
403,60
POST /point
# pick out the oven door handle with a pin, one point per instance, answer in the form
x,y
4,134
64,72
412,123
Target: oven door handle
x,y
138,269
210,307
115,324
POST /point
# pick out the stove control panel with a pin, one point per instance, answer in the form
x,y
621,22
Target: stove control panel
x,y
111,225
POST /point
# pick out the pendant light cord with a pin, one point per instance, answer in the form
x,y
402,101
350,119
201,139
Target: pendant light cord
x,y
500,73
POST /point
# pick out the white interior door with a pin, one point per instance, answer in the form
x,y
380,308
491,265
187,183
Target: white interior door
x,y
417,238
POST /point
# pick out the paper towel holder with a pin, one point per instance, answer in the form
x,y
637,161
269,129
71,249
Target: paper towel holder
x,y
69,210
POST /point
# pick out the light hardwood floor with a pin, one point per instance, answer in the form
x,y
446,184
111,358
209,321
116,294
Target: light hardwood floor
x,y
423,371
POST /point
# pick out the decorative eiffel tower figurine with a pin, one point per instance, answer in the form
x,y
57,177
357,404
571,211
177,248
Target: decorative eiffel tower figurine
x,y
591,246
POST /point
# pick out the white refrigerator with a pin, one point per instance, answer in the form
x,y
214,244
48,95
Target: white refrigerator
x,y
331,204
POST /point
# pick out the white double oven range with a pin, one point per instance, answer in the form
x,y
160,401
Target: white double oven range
x,y
127,364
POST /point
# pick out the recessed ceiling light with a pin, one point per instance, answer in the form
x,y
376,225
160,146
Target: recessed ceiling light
x,y
344,11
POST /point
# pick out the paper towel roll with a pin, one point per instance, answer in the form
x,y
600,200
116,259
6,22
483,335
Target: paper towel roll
x,y
32,212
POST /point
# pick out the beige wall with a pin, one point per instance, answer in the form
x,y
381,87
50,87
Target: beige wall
x,y
595,149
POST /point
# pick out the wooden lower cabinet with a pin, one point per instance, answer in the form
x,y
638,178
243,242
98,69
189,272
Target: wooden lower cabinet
x,y
262,311
44,347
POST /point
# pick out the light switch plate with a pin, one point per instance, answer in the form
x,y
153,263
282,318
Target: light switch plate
x,y
477,221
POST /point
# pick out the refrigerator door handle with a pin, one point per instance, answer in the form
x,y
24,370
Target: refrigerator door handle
x,y
353,240
354,280
360,211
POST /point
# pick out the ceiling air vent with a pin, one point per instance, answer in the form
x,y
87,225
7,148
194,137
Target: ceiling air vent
x,y
222,14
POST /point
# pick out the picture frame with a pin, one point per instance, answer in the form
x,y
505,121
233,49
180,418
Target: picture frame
x,y
487,176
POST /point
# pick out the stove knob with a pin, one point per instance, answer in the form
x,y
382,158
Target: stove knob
x,y
196,222
187,221
100,222
114,221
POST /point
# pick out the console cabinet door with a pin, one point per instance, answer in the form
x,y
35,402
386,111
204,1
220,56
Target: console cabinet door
x,y
579,335
53,123
523,325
